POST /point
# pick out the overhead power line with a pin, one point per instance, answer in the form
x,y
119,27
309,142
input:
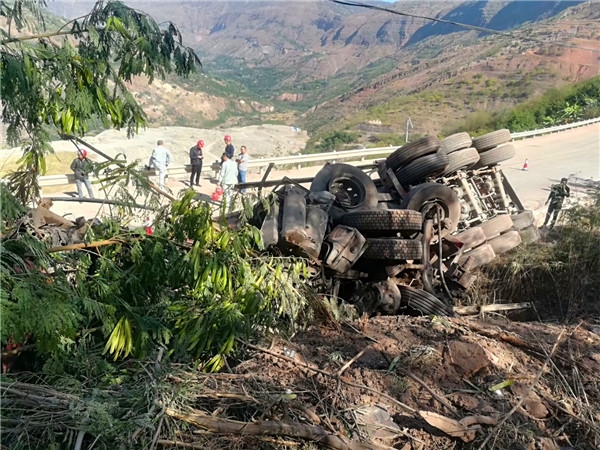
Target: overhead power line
x,y
463,25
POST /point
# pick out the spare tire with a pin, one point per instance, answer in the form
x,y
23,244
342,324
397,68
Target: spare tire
x,y
522,220
469,239
529,234
386,220
426,196
411,151
496,226
491,140
393,249
483,254
495,155
353,189
461,159
455,142
423,302
421,168
505,242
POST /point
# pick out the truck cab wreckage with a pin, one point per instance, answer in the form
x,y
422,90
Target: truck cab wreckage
x,y
402,235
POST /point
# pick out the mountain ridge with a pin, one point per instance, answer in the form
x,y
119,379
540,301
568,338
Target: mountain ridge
x,y
297,61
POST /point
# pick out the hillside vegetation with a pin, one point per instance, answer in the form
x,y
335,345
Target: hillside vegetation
x,y
558,106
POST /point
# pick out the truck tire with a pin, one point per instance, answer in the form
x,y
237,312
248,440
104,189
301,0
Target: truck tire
x,y
505,242
482,255
353,188
411,151
393,249
491,140
470,238
495,155
496,226
522,220
426,196
529,234
390,220
455,142
423,302
421,168
461,159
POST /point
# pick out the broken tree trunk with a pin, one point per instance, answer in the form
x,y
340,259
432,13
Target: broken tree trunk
x,y
270,428
476,309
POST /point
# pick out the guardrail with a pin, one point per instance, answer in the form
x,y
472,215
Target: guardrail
x,y
542,131
298,160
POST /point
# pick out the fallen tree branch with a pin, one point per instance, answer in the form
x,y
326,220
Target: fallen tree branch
x,y
269,428
101,201
82,245
526,394
328,374
504,337
557,405
169,443
476,309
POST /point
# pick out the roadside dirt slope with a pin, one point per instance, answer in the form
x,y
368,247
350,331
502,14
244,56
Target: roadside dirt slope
x,y
422,362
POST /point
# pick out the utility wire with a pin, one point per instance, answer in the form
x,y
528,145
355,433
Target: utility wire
x,y
462,25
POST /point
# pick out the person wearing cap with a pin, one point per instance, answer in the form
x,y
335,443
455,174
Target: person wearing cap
x,y
558,192
196,157
82,167
229,147
161,158
228,177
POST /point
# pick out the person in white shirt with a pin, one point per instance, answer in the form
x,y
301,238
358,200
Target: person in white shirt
x,y
242,161
228,177
161,158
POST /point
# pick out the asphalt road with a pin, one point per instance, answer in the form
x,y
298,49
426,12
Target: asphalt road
x,y
552,157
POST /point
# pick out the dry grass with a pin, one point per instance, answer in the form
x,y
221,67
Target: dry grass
x,y
56,164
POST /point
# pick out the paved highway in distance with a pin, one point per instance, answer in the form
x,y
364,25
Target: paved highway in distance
x,y
552,157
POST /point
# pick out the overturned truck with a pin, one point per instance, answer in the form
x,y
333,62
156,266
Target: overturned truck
x,y
404,234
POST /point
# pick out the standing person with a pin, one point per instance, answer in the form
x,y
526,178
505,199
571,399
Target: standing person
x,y
161,158
229,147
242,161
558,192
228,177
81,167
196,157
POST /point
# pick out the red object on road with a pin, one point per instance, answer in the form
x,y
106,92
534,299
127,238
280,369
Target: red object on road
x,y
216,196
148,226
526,165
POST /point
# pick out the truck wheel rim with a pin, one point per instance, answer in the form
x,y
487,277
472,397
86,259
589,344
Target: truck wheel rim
x,y
349,191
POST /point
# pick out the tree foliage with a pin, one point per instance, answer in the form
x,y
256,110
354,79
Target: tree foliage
x,y
64,78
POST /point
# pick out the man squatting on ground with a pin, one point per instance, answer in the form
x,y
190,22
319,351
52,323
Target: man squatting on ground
x,y
81,167
242,161
228,177
161,158
196,157
558,192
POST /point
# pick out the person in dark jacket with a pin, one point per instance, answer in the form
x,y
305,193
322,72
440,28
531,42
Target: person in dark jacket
x,y
82,167
229,150
558,192
196,158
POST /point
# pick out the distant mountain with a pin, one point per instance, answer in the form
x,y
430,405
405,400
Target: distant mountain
x,y
327,61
